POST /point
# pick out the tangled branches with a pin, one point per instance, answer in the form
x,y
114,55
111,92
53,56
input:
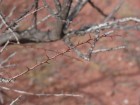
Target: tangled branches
x,y
62,15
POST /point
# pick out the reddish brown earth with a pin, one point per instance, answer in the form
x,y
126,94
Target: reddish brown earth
x,y
110,78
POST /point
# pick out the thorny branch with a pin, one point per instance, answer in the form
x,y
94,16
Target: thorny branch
x,y
64,15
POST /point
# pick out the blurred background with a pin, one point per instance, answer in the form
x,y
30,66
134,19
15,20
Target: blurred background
x,y
109,78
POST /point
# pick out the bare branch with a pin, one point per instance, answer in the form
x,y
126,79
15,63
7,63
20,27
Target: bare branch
x,y
87,56
14,101
5,80
108,49
78,52
106,25
7,59
61,25
6,18
39,22
57,5
111,15
76,9
35,14
10,29
49,9
41,94
28,13
97,8
2,49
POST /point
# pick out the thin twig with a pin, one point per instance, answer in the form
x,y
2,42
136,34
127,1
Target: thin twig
x,y
111,15
74,12
57,5
106,25
15,100
41,94
30,13
39,22
5,45
49,9
10,29
35,14
97,8
108,49
6,18
7,59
